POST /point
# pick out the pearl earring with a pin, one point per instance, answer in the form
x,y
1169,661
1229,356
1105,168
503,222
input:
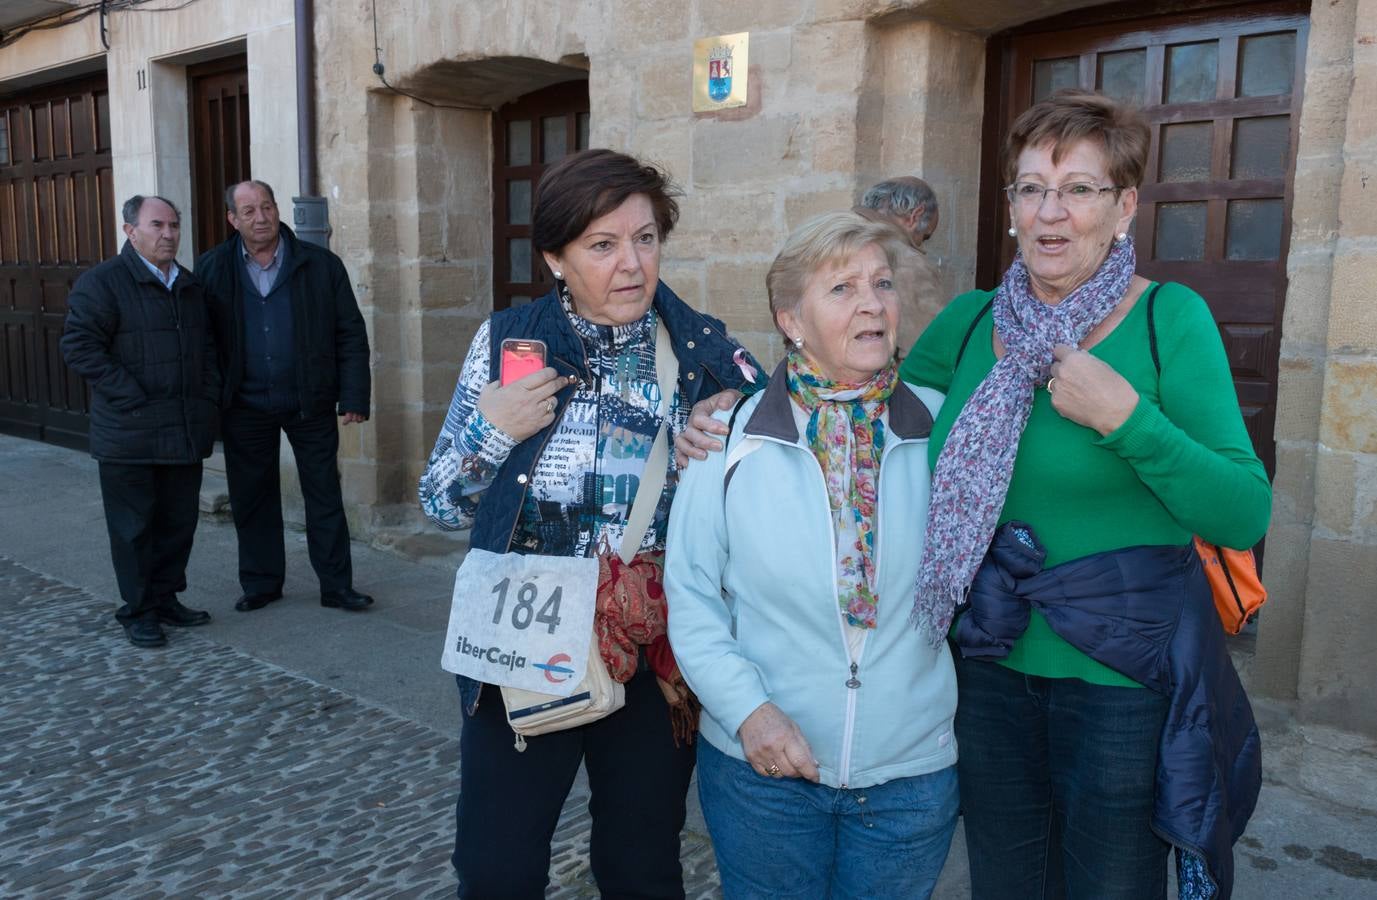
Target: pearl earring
x,y
559,275
1121,236
798,342
1013,232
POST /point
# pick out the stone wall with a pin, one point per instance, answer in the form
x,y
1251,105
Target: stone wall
x,y
1317,636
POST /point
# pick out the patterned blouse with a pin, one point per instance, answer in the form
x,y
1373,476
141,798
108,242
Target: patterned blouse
x,y
586,477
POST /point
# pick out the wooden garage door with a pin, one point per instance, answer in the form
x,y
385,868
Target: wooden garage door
x,y
57,212
1222,92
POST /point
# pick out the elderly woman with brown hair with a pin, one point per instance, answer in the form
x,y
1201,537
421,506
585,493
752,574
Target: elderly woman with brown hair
x,y
1091,428
550,464
826,767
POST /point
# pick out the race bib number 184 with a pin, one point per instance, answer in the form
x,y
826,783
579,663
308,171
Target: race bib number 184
x,y
522,621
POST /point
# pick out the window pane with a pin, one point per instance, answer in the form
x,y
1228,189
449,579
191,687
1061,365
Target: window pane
x,y
1186,151
1051,75
1180,231
582,132
1266,64
1254,229
1260,147
518,299
1192,71
4,139
555,135
1122,75
519,143
519,260
519,202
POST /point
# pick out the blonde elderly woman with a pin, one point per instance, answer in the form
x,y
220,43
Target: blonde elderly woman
x,y
827,764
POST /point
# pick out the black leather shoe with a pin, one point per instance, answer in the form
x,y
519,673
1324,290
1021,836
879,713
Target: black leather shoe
x,y
250,602
348,598
174,613
145,633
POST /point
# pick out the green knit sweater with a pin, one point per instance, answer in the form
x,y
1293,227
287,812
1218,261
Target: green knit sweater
x,y
1181,464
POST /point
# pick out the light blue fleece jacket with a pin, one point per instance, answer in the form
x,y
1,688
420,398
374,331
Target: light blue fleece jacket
x,y
753,608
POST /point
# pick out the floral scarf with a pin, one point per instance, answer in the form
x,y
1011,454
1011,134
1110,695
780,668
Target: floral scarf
x,y
847,437
973,472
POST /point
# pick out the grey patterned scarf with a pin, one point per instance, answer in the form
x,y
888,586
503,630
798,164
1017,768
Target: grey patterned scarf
x,y
972,473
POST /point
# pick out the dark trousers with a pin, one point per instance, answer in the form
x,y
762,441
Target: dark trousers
x,y
1057,782
150,512
509,801
252,442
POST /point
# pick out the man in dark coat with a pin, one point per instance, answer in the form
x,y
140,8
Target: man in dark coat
x,y
294,349
138,331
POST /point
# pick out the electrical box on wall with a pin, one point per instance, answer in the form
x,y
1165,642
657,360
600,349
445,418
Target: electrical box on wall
x,y
311,220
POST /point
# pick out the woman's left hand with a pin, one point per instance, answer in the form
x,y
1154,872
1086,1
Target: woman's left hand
x,y
1087,391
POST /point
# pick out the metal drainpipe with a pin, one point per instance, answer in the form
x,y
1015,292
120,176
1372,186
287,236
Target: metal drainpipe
x,y
310,213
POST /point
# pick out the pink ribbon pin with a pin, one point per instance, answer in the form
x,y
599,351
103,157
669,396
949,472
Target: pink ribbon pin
x,y
747,370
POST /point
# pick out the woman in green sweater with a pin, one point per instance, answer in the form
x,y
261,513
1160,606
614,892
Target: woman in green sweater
x,y
1057,416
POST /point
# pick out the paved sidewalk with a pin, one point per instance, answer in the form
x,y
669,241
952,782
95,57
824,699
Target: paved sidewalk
x,y
304,752
198,771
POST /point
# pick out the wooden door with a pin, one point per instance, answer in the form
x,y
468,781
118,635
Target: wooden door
x,y
219,143
529,134
57,219
1221,90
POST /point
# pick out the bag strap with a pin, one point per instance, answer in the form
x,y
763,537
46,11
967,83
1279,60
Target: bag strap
x,y
656,466
1152,329
970,331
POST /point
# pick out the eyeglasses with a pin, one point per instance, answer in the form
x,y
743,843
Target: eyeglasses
x,y
1075,194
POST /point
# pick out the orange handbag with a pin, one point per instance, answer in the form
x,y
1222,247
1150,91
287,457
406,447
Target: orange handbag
x,y
1237,589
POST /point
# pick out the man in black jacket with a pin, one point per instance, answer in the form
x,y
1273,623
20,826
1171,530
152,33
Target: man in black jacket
x,y
138,331
293,347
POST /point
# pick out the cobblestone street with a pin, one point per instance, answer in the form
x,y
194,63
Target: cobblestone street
x,y
199,771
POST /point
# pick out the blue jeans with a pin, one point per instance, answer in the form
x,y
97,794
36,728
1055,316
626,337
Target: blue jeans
x,y
1057,783
790,838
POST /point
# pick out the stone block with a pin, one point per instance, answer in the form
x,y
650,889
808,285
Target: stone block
x,y
1349,421
1325,112
799,208
453,286
1335,487
717,224
830,57
1281,622
1358,195
635,25
736,295
731,16
1305,321
1293,485
833,140
1352,314
665,86
359,482
1340,649
1331,38
666,144
754,152
1300,393
446,338
685,277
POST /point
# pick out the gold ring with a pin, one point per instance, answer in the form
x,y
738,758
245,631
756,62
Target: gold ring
x,y
773,770
1051,381
551,404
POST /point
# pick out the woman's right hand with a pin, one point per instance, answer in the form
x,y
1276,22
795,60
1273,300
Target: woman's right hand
x,y
697,441
771,739
525,406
